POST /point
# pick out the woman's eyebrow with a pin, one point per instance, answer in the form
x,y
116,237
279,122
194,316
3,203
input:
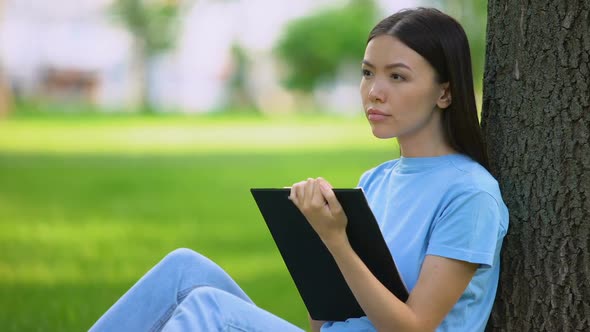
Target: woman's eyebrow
x,y
389,66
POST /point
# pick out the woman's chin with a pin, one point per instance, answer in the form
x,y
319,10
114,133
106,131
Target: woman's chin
x,y
381,134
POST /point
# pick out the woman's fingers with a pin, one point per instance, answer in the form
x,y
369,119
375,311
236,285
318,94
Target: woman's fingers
x,y
296,193
318,201
322,180
293,194
330,197
308,192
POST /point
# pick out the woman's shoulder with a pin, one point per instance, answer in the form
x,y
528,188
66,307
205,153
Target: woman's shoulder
x,y
471,175
473,180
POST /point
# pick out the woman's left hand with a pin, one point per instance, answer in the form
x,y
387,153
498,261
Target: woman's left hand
x,y
318,203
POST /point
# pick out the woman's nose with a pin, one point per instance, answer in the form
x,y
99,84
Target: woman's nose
x,y
376,93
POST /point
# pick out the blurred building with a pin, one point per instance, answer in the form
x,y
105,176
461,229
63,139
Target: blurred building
x,y
64,50
73,51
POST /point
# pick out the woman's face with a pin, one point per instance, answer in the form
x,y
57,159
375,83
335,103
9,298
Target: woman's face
x,y
400,92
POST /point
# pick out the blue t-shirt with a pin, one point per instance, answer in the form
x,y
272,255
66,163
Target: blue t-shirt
x,y
447,206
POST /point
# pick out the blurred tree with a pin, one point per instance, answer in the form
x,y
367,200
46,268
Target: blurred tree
x,y
240,97
5,93
536,122
472,14
154,25
314,47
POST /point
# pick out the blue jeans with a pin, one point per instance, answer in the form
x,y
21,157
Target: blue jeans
x,y
188,292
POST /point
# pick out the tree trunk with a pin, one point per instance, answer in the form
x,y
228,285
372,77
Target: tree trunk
x,y
536,122
5,93
140,73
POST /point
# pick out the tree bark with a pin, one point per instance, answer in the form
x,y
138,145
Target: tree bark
x,y
536,123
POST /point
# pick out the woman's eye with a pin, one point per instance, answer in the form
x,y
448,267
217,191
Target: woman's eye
x,y
366,73
396,77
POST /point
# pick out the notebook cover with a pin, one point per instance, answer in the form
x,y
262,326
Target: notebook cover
x,y
315,273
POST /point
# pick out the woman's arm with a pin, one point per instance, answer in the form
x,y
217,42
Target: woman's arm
x,y
440,284
315,325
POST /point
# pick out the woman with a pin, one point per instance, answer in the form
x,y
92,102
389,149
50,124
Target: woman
x,y
440,211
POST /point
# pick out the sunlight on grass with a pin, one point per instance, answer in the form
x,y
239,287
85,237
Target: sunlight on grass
x,y
89,204
51,259
183,135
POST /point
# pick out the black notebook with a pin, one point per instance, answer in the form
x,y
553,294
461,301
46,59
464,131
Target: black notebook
x,y
315,273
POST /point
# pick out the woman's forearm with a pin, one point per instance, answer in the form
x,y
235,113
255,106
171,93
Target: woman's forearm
x,y
382,308
315,325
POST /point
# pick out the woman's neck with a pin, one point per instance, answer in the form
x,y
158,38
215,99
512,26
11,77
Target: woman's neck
x,y
429,141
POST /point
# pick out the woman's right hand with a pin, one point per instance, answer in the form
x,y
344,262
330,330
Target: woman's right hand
x,y
318,203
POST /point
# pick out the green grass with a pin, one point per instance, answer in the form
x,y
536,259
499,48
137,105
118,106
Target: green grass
x,y
89,203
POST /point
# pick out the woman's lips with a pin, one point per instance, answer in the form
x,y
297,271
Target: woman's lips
x,y
376,115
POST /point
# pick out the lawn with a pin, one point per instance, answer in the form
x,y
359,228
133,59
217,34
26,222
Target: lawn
x,y
89,203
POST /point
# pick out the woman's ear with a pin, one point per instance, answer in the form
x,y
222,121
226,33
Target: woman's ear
x,y
445,98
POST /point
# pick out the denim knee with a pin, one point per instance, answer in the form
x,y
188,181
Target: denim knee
x,y
183,256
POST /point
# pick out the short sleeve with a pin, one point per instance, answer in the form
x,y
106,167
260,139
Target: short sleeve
x,y
467,229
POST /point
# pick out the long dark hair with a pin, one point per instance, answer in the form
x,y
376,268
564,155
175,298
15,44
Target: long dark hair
x,y
441,40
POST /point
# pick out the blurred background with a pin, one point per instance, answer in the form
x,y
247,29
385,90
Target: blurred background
x,y
129,128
